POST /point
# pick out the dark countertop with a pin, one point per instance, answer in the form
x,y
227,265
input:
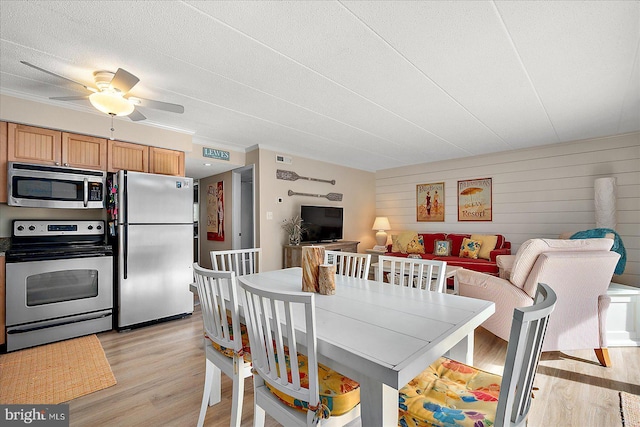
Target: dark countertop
x,y
4,245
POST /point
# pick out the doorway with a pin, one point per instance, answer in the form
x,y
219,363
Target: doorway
x,y
243,209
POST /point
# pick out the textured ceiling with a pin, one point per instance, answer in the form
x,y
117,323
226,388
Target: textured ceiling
x,y
370,85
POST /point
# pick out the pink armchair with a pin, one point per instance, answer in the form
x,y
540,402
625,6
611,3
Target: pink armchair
x,y
579,271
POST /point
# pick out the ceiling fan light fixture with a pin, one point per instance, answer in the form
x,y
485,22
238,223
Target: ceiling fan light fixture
x,y
111,103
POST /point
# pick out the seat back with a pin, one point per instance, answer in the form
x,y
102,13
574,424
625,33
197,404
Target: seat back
x,y
271,318
421,273
349,263
241,261
213,287
528,329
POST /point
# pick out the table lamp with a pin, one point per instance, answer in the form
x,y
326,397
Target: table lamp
x,y
381,224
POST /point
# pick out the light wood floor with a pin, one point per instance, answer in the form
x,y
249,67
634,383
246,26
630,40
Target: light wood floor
x,y
160,374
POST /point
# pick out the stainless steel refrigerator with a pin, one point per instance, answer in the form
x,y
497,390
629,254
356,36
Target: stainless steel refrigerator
x,y
155,247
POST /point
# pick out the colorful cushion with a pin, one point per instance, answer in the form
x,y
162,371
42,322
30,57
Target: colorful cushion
x,y
470,249
442,247
401,241
339,393
449,393
416,246
487,244
229,351
456,242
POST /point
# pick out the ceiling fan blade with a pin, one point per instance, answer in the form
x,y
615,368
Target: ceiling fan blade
x,y
69,98
158,105
123,81
136,116
59,76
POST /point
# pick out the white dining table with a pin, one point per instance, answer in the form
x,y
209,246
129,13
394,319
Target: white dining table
x,y
383,335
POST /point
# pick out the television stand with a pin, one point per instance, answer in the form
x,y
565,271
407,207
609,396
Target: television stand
x,y
292,254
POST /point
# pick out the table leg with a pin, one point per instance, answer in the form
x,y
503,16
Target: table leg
x,y
378,403
463,351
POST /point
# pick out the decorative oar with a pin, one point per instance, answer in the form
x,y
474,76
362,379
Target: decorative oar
x,y
292,176
334,197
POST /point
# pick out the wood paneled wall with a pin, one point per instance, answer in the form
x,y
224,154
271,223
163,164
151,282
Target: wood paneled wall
x,y
537,192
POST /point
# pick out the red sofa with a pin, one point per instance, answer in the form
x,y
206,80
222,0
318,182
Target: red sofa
x,y
483,265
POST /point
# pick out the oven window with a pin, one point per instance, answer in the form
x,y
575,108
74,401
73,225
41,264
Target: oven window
x,y
47,189
59,286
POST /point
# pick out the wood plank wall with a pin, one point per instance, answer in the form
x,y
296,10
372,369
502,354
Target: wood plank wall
x,y
537,192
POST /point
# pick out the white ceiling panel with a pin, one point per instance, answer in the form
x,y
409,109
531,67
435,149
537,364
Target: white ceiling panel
x,y
365,84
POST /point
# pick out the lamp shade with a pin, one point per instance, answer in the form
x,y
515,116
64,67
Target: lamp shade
x,y
111,103
605,202
381,223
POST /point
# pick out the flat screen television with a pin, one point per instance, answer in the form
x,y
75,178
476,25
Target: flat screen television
x,y
321,223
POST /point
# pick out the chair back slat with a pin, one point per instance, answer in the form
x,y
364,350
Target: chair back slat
x,y
213,287
523,354
271,318
241,261
349,263
417,273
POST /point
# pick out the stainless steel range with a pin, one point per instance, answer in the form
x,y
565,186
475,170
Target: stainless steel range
x,y
59,282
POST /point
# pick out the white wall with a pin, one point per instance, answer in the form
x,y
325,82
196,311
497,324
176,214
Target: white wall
x,y
538,192
357,187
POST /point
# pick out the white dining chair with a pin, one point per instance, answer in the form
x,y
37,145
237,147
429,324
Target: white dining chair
x,y
349,263
291,387
449,390
421,273
226,346
241,261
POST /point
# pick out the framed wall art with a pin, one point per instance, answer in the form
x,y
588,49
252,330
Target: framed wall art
x,y
475,200
430,202
215,212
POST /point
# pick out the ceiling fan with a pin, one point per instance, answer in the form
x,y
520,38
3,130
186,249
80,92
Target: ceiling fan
x,y
110,97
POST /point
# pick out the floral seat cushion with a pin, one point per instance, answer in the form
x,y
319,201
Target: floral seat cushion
x,y
338,393
246,350
450,393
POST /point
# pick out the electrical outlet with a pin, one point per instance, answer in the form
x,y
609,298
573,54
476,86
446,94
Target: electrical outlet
x,y
269,215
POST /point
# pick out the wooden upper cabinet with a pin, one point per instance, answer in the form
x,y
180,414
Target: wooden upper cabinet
x,y
82,151
127,156
34,145
3,162
166,162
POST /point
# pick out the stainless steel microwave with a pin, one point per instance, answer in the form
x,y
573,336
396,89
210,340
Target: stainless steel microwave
x,y
40,186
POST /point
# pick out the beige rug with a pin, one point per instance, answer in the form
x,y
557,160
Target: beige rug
x,y
630,409
54,373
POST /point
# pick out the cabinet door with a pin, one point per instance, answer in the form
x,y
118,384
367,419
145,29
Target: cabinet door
x,y
3,162
82,151
166,162
127,156
34,145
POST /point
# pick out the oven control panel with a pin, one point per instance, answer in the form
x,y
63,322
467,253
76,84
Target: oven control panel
x,y
57,228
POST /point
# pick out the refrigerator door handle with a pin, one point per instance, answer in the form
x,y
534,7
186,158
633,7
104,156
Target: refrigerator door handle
x,y
85,189
125,247
125,229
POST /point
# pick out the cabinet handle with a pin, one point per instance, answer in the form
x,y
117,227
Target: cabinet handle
x,y
66,164
57,163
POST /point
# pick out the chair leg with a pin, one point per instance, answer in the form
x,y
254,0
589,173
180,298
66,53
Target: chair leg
x,y
258,413
210,388
603,356
216,384
237,394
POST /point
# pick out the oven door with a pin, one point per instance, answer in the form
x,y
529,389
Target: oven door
x,y
53,289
